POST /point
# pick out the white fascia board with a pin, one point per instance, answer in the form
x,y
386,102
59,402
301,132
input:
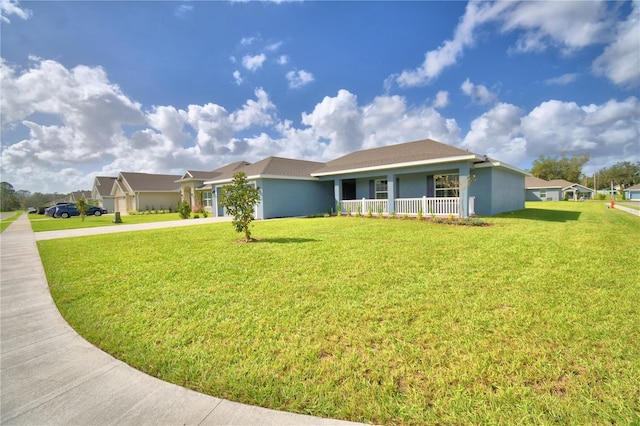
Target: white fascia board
x,y
256,177
401,165
576,185
490,163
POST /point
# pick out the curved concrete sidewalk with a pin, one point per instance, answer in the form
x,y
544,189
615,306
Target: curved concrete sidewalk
x,y
51,375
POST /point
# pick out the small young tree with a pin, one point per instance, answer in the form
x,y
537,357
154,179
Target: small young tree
x,y
239,200
184,209
82,206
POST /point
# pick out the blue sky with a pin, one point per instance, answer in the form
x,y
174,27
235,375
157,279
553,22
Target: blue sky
x,y
95,88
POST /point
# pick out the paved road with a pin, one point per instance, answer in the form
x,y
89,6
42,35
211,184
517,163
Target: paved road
x,y
51,375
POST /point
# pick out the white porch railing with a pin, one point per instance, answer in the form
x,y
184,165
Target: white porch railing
x,y
363,206
438,206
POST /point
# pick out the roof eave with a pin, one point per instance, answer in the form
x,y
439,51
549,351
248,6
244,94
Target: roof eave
x,y
494,163
265,176
401,165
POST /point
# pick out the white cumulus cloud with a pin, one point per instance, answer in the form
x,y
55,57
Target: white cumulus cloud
x,y
620,61
253,63
299,78
478,93
12,7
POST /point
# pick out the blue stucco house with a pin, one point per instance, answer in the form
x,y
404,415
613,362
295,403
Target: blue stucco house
x,y
632,193
423,176
555,190
286,186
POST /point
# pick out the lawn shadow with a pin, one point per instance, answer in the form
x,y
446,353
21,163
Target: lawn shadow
x,y
285,240
543,215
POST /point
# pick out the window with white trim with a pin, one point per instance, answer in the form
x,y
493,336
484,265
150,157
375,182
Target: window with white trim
x,y
381,189
206,198
543,194
447,185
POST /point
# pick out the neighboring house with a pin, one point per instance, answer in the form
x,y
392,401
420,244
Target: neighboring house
x,y
193,188
76,195
555,190
143,191
286,186
542,190
632,193
101,192
424,176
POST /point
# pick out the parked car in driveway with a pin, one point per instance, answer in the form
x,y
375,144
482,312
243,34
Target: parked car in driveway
x,y
67,210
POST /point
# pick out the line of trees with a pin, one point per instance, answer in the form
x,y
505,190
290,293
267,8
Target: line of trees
x,y
12,199
624,174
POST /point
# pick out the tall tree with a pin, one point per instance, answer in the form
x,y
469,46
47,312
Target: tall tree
x,y
239,200
569,169
624,173
8,198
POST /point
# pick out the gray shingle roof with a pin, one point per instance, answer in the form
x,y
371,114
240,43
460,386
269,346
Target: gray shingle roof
x,y
104,185
272,166
536,182
140,182
423,150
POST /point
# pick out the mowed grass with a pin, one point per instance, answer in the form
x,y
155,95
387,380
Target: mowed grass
x,y
41,223
532,320
8,220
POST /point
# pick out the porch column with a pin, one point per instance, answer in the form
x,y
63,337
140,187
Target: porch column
x,y
464,190
391,192
337,191
214,202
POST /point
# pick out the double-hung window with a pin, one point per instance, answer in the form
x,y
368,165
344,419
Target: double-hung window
x,y
206,198
447,185
381,189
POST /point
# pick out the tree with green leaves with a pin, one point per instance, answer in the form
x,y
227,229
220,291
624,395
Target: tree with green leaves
x,y
8,198
569,169
239,200
624,173
184,209
82,205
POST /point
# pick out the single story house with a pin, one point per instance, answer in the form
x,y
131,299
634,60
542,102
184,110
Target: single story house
x,y
632,193
555,190
423,176
144,191
101,192
194,190
286,187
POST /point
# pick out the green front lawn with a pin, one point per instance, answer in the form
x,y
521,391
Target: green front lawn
x,y
531,320
11,216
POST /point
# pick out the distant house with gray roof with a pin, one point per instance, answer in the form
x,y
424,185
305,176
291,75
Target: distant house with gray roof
x,y
632,192
142,191
555,190
101,192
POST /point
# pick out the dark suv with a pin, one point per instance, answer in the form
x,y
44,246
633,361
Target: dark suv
x,y
68,210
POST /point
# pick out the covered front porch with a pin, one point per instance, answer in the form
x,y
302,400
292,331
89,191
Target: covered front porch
x,y
428,190
427,206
